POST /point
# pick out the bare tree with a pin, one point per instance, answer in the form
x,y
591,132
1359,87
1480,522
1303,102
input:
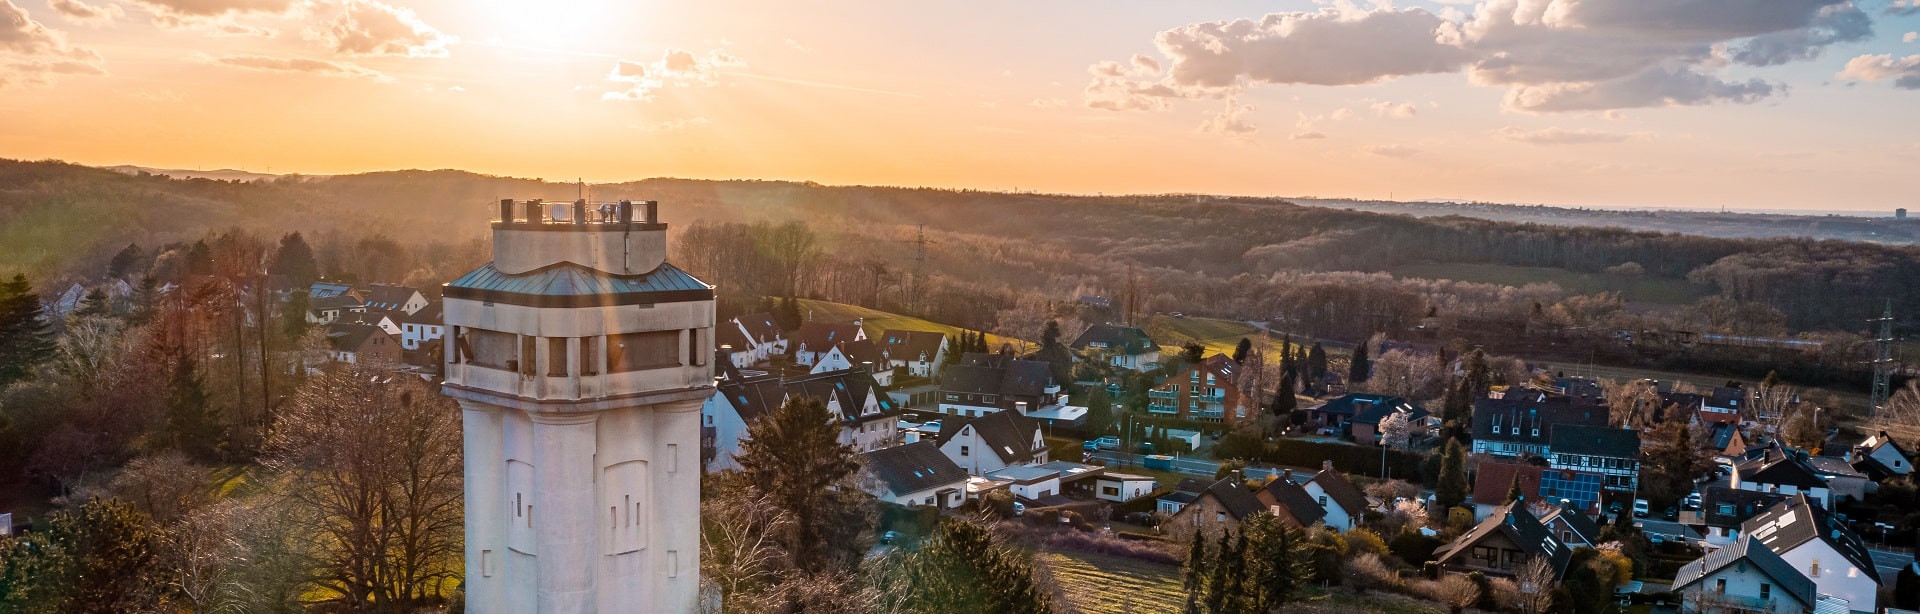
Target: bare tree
x,y
1457,592
740,551
1367,571
373,458
1402,373
1632,404
1396,430
1534,581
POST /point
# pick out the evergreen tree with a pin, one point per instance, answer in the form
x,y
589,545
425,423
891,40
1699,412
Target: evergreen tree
x,y
1359,368
1452,488
1316,367
1055,354
1195,573
788,315
1099,410
200,258
795,457
1277,562
1478,378
124,262
1240,350
95,304
1227,565
193,424
963,568
1284,402
25,337
293,315
1513,490
294,260
1193,353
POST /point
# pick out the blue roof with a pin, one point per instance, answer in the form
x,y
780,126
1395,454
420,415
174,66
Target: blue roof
x,y
571,285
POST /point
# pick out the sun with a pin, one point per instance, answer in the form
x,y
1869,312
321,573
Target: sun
x,y
555,21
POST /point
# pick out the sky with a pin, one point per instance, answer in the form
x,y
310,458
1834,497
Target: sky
x,y
1788,104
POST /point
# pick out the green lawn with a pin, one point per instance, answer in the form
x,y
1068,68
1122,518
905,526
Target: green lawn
x,y
1099,584
1218,336
877,322
1651,290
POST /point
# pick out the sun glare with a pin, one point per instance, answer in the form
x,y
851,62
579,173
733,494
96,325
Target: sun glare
x,y
550,22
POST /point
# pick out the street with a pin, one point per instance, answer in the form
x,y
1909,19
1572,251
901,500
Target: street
x,y
1189,466
1890,562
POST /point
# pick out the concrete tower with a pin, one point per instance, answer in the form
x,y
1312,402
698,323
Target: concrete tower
x,y
580,359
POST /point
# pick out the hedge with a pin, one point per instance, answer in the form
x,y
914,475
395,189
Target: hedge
x,y
1353,459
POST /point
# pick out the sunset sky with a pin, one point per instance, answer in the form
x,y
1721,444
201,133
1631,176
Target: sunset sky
x,y
1799,104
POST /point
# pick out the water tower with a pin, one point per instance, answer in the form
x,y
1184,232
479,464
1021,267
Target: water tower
x,y
580,359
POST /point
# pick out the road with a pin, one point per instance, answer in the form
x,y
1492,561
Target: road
x,y
1890,562
1191,466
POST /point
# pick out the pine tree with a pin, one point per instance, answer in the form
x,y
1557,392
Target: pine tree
x,y
1195,573
963,568
1359,368
1277,562
124,262
795,457
94,304
293,315
1099,410
1227,563
294,260
1452,488
1240,351
25,337
192,423
1316,363
200,258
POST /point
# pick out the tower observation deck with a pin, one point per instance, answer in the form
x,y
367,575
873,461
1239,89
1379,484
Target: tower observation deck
x,y
580,359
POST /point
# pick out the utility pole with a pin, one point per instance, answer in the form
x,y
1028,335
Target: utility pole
x,y
1882,362
1129,303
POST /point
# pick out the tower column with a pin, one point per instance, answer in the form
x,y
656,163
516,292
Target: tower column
x,y
484,469
563,450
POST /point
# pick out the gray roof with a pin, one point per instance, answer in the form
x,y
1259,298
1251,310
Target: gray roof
x,y
1304,508
760,327
914,467
386,296
1530,410
1774,465
1071,471
567,284
1797,520
1122,339
1340,490
1744,504
912,344
756,397
979,373
1833,467
342,302
1520,527
349,336
1595,441
1235,499
1579,522
1023,474
1764,559
1006,432
822,336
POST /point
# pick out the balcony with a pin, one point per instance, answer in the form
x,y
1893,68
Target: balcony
x,y
1162,394
1213,413
1736,604
1156,408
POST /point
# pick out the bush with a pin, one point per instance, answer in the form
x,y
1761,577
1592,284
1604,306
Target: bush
x,y
1413,548
1364,541
1348,458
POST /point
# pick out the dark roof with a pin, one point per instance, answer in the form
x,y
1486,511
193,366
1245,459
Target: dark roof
x,y
1520,527
1006,432
760,327
1122,339
1595,441
1375,412
971,379
321,289
1744,504
1727,397
730,336
1579,522
386,296
979,373
1340,490
429,315
912,344
1766,560
1356,403
1304,508
1579,387
1796,521
349,336
1179,496
913,467
1235,499
1192,485
1774,465
342,302
864,351
755,397
1872,468
1530,411
566,284
1833,467
822,336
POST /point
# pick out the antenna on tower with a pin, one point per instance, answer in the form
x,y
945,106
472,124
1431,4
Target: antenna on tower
x,y
919,242
1882,362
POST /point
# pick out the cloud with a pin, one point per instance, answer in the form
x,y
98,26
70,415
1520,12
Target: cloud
x,y
1232,120
1401,110
676,67
672,125
1391,151
1910,37
32,54
1307,135
1905,72
325,68
1342,113
81,12
1559,136
799,47
370,27
187,10
1901,8
1551,55
1048,103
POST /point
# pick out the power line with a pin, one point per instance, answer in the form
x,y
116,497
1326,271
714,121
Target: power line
x,y
920,242
1882,362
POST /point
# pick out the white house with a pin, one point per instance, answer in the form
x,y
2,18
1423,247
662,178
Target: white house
x,y
1345,505
1123,487
1879,457
816,338
1781,470
396,298
868,418
421,328
857,354
992,442
328,310
1126,347
1821,548
919,352
915,474
1744,576
756,335
1030,483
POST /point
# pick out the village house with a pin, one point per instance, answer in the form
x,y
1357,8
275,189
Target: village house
x,y
1493,481
981,384
992,442
867,417
1125,347
1182,494
1781,470
1221,506
1502,543
321,289
1573,526
1723,511
1364,428
1205,391
754,334
1821,548
1522,424
1343,502
1879,457
386,297
1289,502
335,309
355,342
920,352
814,339
1336,414
1029,482
915,474
421,328
1610,452
1123,487
1744,576
861,354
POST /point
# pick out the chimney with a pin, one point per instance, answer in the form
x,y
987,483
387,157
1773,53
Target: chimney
x,y
653,212
580,211
533,211
626,212
1326,465
506,211
867,364
1021,406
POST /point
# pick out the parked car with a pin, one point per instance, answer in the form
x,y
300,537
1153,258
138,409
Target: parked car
x,y
1640,508
1019,509
1692,502
1145,447
1672,513
889,537
1109,442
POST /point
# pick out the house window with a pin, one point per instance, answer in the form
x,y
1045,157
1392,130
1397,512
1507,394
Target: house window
x,y
1766,590
1219,516
1816,568
1720,585
929,500
1536,432
1110,491
648,350
963,450
1323,501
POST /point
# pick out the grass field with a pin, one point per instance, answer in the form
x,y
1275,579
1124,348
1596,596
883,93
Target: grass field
x,y
1665,291
1101,584
1218,336
876,321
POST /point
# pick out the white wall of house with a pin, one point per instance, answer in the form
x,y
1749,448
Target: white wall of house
x,y
1169,507
1042,488
1121,491
1741,579
1892,459
414,335
1821,493
1339,518
728,431
970,411
930,496
1835,575
967,451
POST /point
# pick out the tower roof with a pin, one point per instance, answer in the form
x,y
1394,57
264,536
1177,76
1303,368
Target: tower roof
x,y
566,284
